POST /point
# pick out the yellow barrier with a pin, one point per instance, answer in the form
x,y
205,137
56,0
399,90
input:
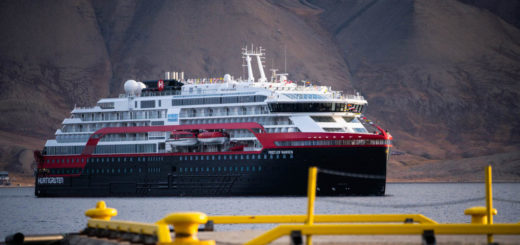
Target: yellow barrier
x,y
322,218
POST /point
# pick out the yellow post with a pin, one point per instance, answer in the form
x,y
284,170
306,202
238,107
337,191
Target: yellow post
x,y
101,211
186,226
311,195
489,201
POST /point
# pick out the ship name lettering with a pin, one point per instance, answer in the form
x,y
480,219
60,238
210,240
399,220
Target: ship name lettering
x,y
280,152
51,180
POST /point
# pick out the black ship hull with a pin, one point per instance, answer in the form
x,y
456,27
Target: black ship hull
x,y
273,172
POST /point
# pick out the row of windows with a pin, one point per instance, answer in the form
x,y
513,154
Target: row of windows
x,y
137,148
221,169
124,159
219,100
152,170
101,171
332,142
65,171
149,104
63,150
121,115
67,160
106,105
181,158
314,107
306,96
236,157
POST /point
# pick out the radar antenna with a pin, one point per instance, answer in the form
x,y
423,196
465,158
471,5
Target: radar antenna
x,y
259,53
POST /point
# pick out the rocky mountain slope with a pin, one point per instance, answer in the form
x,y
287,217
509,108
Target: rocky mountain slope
x,y
442,76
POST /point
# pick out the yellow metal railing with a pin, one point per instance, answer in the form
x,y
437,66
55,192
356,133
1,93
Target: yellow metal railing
x,y
481,222
322,218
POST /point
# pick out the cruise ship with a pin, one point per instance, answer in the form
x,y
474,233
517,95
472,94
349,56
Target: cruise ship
x,y
220,136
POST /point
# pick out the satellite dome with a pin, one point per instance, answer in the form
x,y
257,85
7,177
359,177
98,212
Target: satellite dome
x,y
131,87
139,89
227,78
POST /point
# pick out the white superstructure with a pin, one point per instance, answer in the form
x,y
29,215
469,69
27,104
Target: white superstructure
x,y
280,105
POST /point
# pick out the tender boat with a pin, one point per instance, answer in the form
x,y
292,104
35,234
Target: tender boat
x,y
213,137
182,138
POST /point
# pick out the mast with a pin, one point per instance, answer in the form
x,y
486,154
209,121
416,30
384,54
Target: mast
x,y
259,53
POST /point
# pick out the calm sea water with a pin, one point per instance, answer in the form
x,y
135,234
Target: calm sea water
x,y
21,211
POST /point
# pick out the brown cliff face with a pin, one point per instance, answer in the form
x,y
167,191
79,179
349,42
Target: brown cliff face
x,y
441,76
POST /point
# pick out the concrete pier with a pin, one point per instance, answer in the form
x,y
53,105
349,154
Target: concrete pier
x,y
240,237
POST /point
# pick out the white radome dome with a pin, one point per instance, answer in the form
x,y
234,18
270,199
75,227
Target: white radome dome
x,y
227,78
131,87
139,89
